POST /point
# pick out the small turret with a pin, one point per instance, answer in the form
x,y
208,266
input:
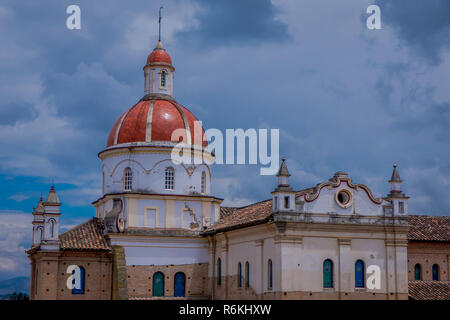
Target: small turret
x,y
283,197
38,223
398,199
51,221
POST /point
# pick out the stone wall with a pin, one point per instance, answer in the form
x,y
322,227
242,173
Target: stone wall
x,y
49,275
140,280
427,254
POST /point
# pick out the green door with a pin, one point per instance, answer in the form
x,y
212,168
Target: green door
x,y
158,284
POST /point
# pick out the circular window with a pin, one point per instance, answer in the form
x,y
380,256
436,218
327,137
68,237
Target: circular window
x,y
344,198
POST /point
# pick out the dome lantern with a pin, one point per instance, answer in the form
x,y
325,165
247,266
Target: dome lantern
x,y
158,72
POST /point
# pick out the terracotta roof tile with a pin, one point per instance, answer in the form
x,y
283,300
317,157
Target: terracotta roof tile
x,y
429,290
226,211
429,228
254,213
87,236
423,228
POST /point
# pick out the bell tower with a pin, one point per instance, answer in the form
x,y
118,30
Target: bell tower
x,y
51,221
398,199
158,71
38,223
283,197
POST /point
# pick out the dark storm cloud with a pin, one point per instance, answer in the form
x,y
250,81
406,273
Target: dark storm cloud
x,y
422,25
10,113
89,87
239,22
311,83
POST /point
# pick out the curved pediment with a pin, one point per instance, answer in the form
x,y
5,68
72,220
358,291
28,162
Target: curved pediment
x,y
335,182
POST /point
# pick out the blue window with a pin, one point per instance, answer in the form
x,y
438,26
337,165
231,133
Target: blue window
x,y
240,275
78,280
247,275
328,274
270,273
417,272
179,284
219,272
435,272
359,274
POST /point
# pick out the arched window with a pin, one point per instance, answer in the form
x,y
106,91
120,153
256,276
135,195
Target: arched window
x,y
179,284
435,272
359,274
169,179
417,272
163,78
39,235
158,284
239,275
203,188
247,275
219,272
78,280
328,273
51,228
269,274
127,179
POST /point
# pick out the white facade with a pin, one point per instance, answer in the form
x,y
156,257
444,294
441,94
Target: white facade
x,y
343,229
148,166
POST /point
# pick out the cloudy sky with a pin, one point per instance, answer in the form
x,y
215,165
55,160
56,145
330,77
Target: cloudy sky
x,y
344,97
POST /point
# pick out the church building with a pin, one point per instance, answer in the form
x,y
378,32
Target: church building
x,y
159,233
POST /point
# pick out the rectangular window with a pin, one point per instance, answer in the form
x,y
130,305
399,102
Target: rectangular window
x,y
150,218
169,179
286,202
401,207
128,180
276,203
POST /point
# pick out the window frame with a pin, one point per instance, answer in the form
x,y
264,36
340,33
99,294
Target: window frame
x,y
163,283
179,273
163,78
219,271
360,283
51,228
127,179
331,271
417,272
239,275
401,207
435,271
287,201
203,183
269,274
82,281
169,179
247,274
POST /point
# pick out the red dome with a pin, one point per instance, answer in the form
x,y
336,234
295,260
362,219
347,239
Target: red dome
x,y
153,120
159,55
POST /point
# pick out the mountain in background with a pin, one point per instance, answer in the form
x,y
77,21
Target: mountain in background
x,y
18,284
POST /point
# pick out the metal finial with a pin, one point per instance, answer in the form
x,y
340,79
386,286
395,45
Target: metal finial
x,y
159,23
